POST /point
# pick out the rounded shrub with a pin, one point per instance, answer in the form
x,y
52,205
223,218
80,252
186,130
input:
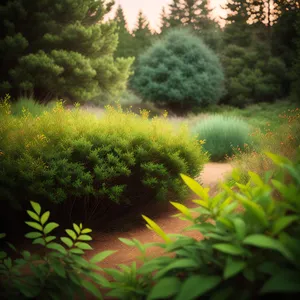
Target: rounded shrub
x,y
223,135
180,71
72,157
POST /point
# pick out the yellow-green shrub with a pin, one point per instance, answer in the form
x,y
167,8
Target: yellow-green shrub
x,y
71,155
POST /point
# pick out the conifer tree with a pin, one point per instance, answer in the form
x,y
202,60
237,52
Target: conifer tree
x,y
60,48
164,21
142,34
125,48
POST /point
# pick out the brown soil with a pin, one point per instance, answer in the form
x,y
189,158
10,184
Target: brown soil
x,y
211,175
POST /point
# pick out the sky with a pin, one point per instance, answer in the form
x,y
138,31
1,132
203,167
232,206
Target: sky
x,y
152,10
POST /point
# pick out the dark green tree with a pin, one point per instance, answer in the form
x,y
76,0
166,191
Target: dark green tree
x,y
59,48
237,31
125,47
175,14
142,34
179,71
164,22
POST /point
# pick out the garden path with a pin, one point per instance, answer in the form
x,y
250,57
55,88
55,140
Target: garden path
x,y
211,175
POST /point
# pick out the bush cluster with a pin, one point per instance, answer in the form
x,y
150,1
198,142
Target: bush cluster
x,y
71,156
250,249
222,135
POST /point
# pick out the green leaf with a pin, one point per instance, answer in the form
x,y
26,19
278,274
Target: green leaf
x,y
196,286
183,209
278,159
86,230
49,227
195,187
91,288
127,242
36,207
165,288
39,241
229,249
76,228
11,246
240,228
58,268
57,247
97,278
256,179
285,281
183,263
26,254
33,235
262,241
50,238
83,246
84,237
2,254
283,222
254,208
71,233
76,251
35,225
45,217
2,235
233,267
67,241
33,215
101,256
157,229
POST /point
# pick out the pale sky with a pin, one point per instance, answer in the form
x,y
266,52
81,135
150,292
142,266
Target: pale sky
x,y
152,10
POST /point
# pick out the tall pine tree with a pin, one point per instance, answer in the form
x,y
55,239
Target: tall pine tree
x,y
125,39
59,48
142,34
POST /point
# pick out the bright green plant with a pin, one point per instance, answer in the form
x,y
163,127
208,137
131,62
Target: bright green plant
x,y
222,134
250,247
60,272
179,71
72,157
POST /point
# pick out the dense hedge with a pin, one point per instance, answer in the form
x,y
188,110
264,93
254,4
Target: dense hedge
x,y
70,155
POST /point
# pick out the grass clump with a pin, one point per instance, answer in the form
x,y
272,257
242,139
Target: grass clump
x,y
30,106
222,134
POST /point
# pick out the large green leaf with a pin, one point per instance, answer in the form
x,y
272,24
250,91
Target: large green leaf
x,y
83,246
86,230
57,247
49,227
33,215
157,229
165,288
262,241
58,268
36,207
240,228
229,249
127,242
45,217
92,288
285,281
71,233
196,286
195,187
233,267
33,235
101,256
84,237
67,241
35,225
283,222
76,228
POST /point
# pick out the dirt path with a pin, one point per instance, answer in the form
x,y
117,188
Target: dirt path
x,y
212,174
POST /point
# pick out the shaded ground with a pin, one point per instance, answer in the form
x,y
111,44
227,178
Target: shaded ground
x,y
212,174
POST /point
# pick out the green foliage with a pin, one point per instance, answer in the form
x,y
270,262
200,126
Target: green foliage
x,y
179,71
72,156
67,51
61,272
250,247
253,75
223,134
29,105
